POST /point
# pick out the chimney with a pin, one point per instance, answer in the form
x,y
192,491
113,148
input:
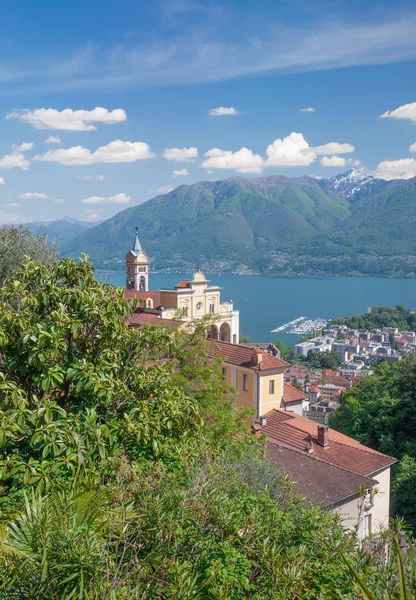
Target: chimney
x,y
256,356
263,421
323,436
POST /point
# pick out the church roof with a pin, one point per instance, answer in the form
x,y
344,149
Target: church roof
x,y
136,247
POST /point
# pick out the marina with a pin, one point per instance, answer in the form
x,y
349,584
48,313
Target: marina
x,y
302,326
286,325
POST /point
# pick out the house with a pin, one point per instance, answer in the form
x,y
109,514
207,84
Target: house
x,y
331,469
258,378
188,300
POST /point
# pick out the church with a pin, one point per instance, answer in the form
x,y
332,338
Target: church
x,y
190,299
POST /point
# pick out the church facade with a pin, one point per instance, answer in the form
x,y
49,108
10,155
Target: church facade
x,y
190,299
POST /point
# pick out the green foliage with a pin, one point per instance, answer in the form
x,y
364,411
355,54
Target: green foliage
x,y
16,243
126,471
323,360
404,490
76,384
381,412
379,317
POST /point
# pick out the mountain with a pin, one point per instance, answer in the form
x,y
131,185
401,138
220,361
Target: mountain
x,y
237,221
63,230
348,224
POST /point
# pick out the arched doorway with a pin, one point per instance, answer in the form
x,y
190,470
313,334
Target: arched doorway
x,y
212,332
225,332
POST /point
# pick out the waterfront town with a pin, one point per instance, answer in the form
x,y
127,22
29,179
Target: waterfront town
x,y
288,403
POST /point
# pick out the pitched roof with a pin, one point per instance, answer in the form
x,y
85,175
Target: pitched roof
x,y
140,318
184,283
316,479
314,389
239,355
291,394
293,431
155,296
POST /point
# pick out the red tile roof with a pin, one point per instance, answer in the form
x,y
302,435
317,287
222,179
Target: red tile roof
x,y
140,318
155,296
319,481
314,389
239,355
294,431
184,283
291,394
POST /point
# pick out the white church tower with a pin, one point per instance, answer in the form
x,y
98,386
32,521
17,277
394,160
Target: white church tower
x,y
137,268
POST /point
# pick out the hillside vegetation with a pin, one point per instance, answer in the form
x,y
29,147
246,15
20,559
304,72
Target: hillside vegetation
x,y
126,472
270,225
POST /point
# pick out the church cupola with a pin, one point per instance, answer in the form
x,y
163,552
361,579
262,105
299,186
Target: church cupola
x,y
137,268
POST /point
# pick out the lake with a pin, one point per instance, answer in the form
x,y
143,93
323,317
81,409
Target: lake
x,y
268,302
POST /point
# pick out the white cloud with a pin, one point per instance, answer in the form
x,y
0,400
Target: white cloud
x,y
13,204
14,161
59,201
23,147
91,177
116,199
2,181
413,147
115,152
403,168
334,148
92,214
32,196
309,109
164,189
180,173
291,151
353,162
333,161
68,119
242,161
181,154
407,111
223,111
53,139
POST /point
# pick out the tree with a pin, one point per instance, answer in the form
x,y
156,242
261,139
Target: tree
x,y
18,242
404,491
245,339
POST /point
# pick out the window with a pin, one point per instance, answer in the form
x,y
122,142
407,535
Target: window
x,y
245,382
271,387
224,371
212,308
185,311
367,526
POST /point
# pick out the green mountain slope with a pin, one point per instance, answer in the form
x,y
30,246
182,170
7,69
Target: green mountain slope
x,y
234,221
349,224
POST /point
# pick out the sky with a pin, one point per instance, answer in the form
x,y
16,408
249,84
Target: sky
x,y
104,105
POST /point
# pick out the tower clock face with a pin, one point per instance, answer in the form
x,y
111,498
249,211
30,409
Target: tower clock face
x,y
199,306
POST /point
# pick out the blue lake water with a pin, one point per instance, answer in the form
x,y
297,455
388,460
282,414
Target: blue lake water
x,y
268,302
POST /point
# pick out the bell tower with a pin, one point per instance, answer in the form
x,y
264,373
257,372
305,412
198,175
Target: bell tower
x,y
137,268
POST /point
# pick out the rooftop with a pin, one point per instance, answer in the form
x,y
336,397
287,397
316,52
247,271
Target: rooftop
x,y
291,394
299,433
140,318
239,355
316,479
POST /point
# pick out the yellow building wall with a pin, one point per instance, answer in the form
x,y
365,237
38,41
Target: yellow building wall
x,y
270,401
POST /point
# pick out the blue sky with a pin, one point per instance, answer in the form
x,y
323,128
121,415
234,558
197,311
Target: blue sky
x,y
190,90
